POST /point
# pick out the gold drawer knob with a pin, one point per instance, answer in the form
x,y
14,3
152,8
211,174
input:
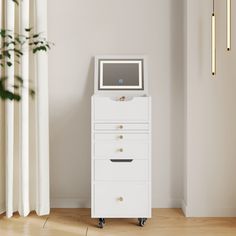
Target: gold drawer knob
x,y
121,137
120,126
121,199
121,150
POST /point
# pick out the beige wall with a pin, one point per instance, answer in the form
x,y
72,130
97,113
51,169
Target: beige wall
x,y
211,114
82,29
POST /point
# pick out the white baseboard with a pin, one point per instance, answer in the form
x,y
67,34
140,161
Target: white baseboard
x,y
69,203
183,207
171,203
85,203
208,211
2,210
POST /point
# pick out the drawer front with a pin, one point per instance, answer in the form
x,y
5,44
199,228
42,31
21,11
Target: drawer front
x,y
121,127
121,149
115,170
107,109
121,137
121,200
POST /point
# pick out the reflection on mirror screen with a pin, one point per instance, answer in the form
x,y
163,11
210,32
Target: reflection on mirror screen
x,y
120,74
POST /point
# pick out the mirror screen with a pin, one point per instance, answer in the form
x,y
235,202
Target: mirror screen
x,y
121,74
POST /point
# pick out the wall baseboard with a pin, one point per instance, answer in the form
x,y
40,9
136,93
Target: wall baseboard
x,y
69,203
183,207
2,210
208,211
171,203
85,203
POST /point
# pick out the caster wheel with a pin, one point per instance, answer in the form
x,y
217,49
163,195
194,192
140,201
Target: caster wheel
x,y
101,223
142,221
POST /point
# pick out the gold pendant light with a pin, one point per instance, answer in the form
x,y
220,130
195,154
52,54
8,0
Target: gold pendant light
x,y
228,7
213,41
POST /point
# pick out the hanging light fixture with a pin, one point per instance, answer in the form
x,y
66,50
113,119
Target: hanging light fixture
x,y
213,41
228,24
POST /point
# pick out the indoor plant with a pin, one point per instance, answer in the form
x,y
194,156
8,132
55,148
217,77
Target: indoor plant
x,y
11,49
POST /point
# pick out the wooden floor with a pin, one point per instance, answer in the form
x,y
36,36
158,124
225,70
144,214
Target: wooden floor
x,y
71,222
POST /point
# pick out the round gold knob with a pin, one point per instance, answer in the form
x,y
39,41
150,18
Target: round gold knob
x,y
121,126
121,150
121,137
121,199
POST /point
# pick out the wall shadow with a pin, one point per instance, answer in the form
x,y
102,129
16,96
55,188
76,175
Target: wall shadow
x,y
71,162
177,100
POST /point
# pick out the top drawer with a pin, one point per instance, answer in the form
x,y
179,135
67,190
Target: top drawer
x,y
109,109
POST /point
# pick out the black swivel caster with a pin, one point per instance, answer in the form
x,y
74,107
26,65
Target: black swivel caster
x,y
142,221
101,223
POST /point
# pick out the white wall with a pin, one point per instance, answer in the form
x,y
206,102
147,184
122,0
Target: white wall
x,y
211,114
82,29
2,159
2,141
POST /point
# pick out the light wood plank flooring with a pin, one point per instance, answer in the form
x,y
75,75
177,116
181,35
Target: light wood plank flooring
x,y
72,222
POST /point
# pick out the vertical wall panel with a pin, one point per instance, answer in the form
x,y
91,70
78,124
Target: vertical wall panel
x,y
24,116
2,162
10,8
42,111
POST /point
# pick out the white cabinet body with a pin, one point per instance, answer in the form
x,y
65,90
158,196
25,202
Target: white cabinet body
x,y
121,157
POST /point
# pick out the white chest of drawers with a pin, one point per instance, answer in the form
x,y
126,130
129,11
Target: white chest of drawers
x,y
121,158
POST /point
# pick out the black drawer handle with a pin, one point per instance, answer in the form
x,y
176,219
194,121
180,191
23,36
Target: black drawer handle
x,y
121,160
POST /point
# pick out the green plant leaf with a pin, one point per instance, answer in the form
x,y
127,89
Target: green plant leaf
x,y
36,35
3,33
19,79
32,92
11,50
9,36
6,54
18,51
28,29
16,2
18,40
9,63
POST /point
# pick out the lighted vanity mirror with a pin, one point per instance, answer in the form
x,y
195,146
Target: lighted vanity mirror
x,y
120,75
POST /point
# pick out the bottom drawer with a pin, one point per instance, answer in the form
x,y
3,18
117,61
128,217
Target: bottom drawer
x,y
121,200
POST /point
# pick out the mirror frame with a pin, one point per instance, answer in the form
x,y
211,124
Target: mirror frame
x,y
101,85
141,89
